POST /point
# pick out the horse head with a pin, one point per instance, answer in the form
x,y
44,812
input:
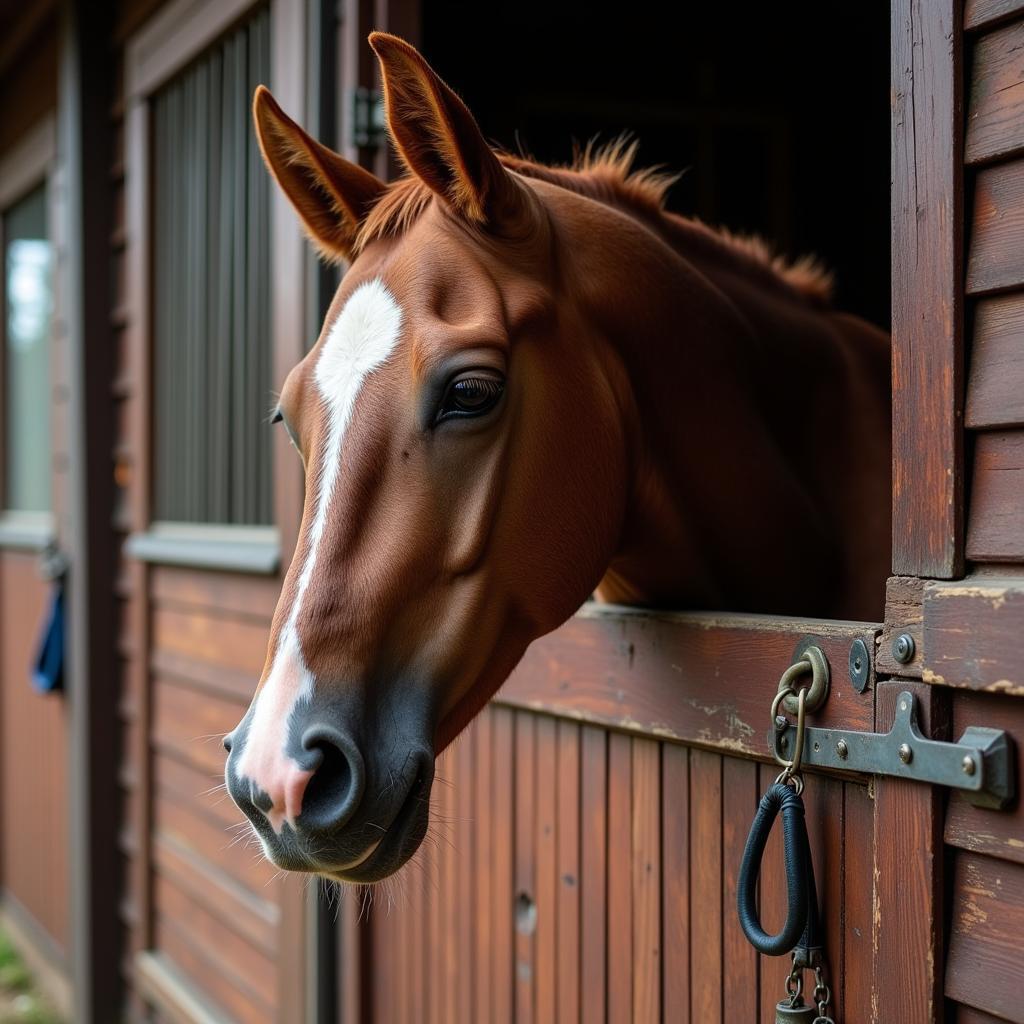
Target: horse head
x,y
461,428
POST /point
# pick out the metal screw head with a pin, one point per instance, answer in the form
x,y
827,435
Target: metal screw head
x,y
903,648
968,765
859,663
842,749
906,753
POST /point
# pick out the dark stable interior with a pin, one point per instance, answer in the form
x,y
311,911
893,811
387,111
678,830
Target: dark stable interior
x,y
777,113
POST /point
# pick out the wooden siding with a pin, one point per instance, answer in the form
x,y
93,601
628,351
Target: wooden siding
x,y
994,143
33,759
984,968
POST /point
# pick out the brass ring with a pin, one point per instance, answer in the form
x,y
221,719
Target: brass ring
x,y
812,660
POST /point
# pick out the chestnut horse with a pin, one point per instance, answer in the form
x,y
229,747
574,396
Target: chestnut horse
x,y
532,383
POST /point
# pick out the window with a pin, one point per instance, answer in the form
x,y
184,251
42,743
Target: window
x,y
28,304
211,293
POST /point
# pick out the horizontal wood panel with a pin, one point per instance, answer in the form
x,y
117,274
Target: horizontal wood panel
x,y
995,383
191,727
200,789
221,594
231,643
974,634
968,1015
254,920
219,943
995,113
695,678
979,13
984,967
204,980
998,833
996,256
236,853
219,681
995,523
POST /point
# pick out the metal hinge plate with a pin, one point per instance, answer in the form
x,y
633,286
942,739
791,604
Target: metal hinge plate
x,y
980,764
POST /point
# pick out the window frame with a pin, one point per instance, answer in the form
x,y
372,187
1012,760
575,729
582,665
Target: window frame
x,y
29,164
179,33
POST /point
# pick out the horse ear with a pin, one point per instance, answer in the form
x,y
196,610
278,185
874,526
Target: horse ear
x,y
330,194
437,136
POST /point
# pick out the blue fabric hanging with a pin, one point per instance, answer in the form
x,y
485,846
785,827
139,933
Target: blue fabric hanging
x,y
48,668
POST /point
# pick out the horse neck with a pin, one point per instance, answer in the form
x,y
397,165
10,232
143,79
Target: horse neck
x,y
717,512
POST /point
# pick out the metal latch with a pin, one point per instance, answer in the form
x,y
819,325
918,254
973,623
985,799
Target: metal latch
x,y
981,763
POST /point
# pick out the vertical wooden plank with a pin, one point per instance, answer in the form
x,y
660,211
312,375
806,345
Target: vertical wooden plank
x,y
927,288
773,970
449,888
525,867
418,874
547,865
385,982
858,890
823,800
465,748
675,859
568,910
438,840
706,977
503,896
739,802
620,891
646,881
593,872
908,862
483,869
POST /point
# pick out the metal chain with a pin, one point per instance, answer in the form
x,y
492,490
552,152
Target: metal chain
x,y
792,776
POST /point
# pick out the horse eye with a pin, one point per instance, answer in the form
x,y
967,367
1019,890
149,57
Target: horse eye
x,y
470,396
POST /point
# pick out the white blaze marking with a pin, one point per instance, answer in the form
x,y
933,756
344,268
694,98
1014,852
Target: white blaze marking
x,y
361,339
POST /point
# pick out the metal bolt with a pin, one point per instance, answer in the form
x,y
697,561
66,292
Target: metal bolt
x,y
842,749
968,765
906,753
903,648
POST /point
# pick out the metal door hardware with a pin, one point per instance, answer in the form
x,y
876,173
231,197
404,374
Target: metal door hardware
x,y
980,764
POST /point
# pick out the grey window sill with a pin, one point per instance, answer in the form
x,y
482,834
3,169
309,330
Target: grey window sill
x,y
253,549
27,531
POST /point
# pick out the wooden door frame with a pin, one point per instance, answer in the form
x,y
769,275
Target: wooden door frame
x,y
163,45
85,144
928,482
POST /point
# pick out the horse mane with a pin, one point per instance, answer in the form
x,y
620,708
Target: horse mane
x,y
606,173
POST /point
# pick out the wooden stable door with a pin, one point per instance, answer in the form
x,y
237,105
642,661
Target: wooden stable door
x,y
588,829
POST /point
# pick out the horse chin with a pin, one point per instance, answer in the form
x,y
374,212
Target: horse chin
x,y
394,849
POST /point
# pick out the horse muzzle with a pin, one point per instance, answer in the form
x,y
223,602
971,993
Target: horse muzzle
x,y
323,802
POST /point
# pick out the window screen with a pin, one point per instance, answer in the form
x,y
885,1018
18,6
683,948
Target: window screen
x,y
28,303
211,312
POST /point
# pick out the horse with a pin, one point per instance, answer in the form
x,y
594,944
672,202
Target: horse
x,y
533,385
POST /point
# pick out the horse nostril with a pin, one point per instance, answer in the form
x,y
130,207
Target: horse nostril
x,y
333,793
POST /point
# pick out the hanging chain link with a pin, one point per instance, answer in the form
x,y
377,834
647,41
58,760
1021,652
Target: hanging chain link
x,y
805,698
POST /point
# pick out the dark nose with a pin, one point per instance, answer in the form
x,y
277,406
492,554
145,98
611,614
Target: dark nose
x,y
335,789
